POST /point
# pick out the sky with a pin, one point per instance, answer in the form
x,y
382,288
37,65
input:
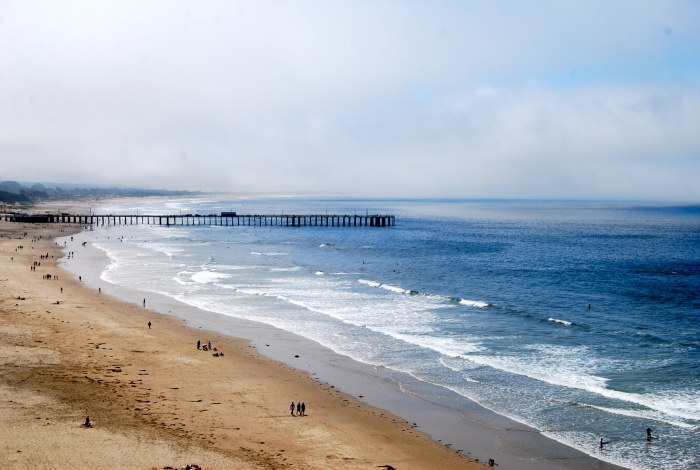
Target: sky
x,y
595,99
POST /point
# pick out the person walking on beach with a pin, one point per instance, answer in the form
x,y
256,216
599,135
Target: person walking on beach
x,y
149,325
144,303
291,407
199,343
303,409
299,409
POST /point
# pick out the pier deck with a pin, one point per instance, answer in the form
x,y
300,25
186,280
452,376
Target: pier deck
x,y
210,219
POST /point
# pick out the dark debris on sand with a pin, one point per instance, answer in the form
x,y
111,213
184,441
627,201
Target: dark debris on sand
x,y
191,466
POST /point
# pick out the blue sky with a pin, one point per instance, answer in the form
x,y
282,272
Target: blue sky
x,y
459,99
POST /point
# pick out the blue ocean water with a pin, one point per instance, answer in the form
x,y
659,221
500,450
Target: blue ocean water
x,y
581,319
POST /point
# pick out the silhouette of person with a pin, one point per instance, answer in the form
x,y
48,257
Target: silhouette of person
x,y
291,407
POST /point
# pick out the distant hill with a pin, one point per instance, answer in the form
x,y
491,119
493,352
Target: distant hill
x,y
12,198
12,187
12,192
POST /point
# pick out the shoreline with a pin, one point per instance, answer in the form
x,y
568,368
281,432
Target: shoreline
x,y
511,444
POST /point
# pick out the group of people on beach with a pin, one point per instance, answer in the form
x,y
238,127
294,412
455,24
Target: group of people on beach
x,y
300,407
206,346
37,264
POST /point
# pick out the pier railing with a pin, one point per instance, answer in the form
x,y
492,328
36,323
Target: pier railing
x,y
211,219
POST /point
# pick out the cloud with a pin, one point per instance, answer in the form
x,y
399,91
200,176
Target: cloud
x,y
396,99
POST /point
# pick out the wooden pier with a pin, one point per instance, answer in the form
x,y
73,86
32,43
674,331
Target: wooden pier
x,y
225,219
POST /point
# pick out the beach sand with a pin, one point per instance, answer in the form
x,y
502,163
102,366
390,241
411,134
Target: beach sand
x,y
68,352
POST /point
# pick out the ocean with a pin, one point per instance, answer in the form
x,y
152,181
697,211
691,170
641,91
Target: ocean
x,y
580,319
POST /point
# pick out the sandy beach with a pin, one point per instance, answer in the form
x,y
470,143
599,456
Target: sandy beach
x,y
156,401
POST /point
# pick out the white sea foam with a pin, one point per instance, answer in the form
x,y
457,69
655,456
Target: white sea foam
x,y
678,405
300,304
184,278
386,316
292,269
569,367
398,290
645,414
257,253
458,364
450,347
247,291
113,257
474,303
232,267
563,322
205,277
401,290
559,365
167,249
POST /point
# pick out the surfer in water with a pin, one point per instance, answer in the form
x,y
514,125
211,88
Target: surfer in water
x,y
649,436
